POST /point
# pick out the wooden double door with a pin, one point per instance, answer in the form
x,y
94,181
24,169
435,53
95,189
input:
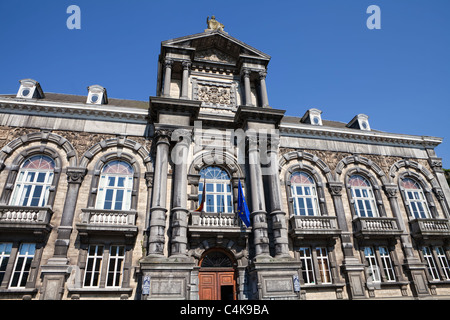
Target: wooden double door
x,y
217,285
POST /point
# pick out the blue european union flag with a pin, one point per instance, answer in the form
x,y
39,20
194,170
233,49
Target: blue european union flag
x,y
242,208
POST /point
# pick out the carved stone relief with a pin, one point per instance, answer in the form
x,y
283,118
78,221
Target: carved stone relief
x,y
214,94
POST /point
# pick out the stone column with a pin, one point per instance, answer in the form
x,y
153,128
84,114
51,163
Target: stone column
x,y
247,88
167,77
179,200
352,267
264,97
57,269
277,214
185,83
75,177
258,214
158,208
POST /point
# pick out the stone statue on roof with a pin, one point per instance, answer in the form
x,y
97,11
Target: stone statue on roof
x,y
213,24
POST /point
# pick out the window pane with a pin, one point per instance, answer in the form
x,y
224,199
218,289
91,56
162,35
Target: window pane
x,y
119,199
41,177
111,181
36,196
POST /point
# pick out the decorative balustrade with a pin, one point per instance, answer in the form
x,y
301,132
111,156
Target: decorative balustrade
x,y
203,223
115,221
430,228
36,219
313,226
369,227
108,217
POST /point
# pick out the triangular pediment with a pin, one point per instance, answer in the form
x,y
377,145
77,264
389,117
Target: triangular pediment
x,y
216,46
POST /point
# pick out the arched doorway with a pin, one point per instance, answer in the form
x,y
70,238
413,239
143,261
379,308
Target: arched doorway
x,y
217,276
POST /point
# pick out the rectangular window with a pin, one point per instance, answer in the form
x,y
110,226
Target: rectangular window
x,y
373,271
431,264
324,266
115,267
22,265
5,254
443,262
307,266
93,266
387,264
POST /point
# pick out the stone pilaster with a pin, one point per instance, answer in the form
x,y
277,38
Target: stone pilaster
x,y
258,214
179,201
351,265
57,269
277,214
158,207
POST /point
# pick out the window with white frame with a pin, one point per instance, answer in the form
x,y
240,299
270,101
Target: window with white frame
x,y
93,266
315,264
415,198
115,266
307,265
363,197
324,265
373,271
22,265
5,254
218,191
304,194
115,186
33,182
431,263
386,262
443,262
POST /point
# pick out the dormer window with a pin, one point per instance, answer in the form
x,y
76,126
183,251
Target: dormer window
x,y
361,121
312,116
30,89
97,95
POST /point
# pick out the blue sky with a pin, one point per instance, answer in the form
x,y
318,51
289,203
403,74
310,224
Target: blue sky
x,y
323,55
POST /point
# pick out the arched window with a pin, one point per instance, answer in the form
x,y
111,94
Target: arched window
x,y
33,182
363,197
218,190
304,194
115,186
415,198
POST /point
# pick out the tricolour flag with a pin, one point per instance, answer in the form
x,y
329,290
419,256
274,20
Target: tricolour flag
x,y
242,208
202,203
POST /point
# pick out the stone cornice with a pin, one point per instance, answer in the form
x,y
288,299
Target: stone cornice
x,y
73,110
345,134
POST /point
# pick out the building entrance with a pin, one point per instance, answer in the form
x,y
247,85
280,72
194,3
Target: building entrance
x,y
217,280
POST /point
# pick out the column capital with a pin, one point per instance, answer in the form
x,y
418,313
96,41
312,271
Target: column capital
x,y
186,64
439,193
435,164
149,179
245,72
163,135
391,190
262,75
75,175
168,63
335,188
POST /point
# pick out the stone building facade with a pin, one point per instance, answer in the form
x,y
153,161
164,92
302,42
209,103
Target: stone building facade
x,y
99,195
